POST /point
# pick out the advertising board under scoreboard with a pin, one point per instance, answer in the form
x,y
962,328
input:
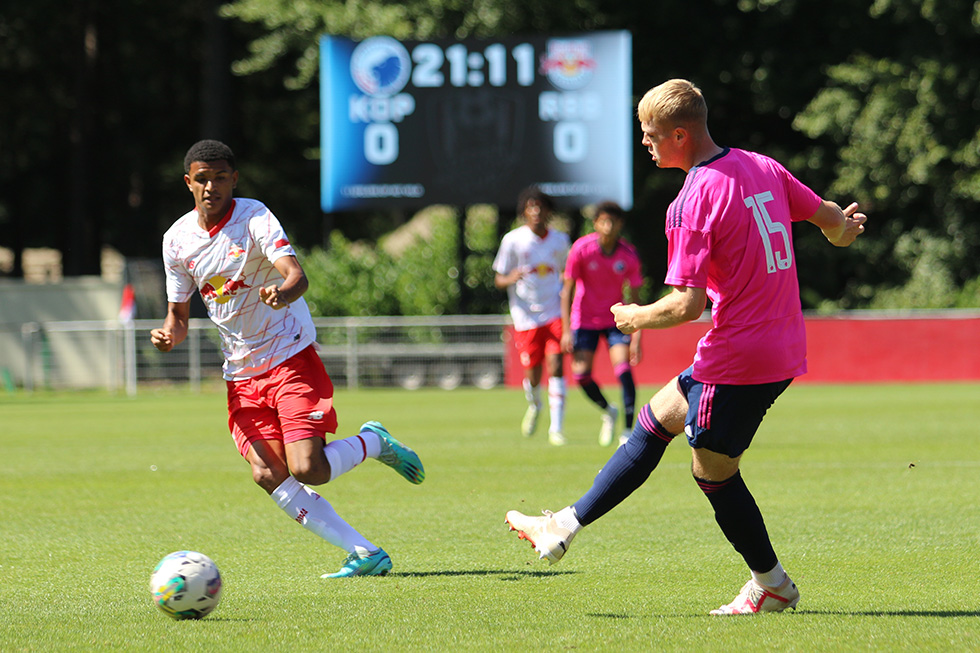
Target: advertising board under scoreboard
x,y
413,123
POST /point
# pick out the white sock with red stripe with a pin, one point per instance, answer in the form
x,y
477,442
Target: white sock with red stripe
x,y
315,514
532,394
556,402
344,455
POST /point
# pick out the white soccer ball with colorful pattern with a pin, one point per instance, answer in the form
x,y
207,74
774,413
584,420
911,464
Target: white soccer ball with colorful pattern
x,y
186,585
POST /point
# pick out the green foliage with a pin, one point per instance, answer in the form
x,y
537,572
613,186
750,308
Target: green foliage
x,y
350,280
294,26
481,243
427,282
422,278
928,261
908,147
874,102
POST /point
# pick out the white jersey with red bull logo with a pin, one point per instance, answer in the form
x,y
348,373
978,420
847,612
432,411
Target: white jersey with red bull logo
x,y
228,265
535,300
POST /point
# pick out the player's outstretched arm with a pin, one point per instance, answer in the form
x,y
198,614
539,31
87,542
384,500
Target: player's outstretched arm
x,y
841,227
636,348
681,305
567,294
502,281
174,328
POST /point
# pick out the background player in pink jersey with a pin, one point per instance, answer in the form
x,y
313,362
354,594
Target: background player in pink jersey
x,y
728,239
529,265
599,266
280,398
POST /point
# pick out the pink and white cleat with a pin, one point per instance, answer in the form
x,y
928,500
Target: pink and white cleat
x,y
755,598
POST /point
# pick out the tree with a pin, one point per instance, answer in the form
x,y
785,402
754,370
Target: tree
x,y
102,100
874,103
902,124
292,28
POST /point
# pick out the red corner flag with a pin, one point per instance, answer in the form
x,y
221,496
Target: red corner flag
x,y
127,309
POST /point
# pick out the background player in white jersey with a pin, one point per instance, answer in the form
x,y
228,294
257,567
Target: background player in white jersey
x,y
280,398
728,239
529,264
600,265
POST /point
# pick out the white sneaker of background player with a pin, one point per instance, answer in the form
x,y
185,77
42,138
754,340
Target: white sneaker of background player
x,y
608,425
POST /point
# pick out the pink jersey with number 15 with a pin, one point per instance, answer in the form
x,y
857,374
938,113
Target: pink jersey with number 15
x,y
730,231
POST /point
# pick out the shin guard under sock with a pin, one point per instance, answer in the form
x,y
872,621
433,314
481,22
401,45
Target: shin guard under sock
x,y
629,396
740,520
628,468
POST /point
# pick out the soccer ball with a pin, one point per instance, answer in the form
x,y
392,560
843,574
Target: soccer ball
x,y
186,585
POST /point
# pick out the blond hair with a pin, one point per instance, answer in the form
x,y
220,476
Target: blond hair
x,y
673,103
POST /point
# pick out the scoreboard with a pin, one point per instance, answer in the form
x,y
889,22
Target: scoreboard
x,y
413,123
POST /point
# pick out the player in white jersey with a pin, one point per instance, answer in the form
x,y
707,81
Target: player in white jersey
x,y
529,264
280,398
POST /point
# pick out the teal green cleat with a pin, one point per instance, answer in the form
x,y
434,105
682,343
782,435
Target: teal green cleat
x,y
396,455
363,563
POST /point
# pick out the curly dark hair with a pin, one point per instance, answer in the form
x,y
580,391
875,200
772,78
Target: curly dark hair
x,y
534,193
610,208
209,150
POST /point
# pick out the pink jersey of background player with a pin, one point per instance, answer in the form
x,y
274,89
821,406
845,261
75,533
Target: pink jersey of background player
x,y
729,221
599,280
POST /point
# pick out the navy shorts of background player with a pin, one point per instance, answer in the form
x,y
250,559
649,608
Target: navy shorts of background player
x,y
588,339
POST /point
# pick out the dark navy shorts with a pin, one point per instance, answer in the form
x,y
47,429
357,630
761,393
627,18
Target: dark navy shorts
x,y
588,339
724,418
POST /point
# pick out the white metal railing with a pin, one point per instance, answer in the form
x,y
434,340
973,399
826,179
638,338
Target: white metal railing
x,y
411,352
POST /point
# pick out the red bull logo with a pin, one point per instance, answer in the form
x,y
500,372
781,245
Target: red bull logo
x,y
235,252
544,269
221,290
569,63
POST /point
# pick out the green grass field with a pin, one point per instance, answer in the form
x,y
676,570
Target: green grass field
x,y
870,494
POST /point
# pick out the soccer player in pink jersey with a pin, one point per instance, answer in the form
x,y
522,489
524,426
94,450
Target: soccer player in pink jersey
x,y
529,264
728,239
600,265
236,255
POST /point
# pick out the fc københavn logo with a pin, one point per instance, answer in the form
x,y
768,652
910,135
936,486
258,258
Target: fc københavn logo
x,y
380,66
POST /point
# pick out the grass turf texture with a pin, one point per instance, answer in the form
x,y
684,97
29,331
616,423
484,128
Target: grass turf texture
x,y
869,494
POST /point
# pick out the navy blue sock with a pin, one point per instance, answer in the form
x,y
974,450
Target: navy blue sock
x,y
593,392
741,521
629,396
628,468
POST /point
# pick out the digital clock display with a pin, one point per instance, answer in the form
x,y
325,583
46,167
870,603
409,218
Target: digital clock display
x,y
463,122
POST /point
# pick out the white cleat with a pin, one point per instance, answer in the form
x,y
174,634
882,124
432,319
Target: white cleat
x,y
556,439
755,598
608,425
547,537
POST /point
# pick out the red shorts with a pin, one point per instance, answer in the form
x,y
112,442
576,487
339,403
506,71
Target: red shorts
x,y
288,403
533,344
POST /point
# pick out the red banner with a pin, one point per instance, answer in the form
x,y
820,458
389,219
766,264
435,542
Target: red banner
x,y
845,349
